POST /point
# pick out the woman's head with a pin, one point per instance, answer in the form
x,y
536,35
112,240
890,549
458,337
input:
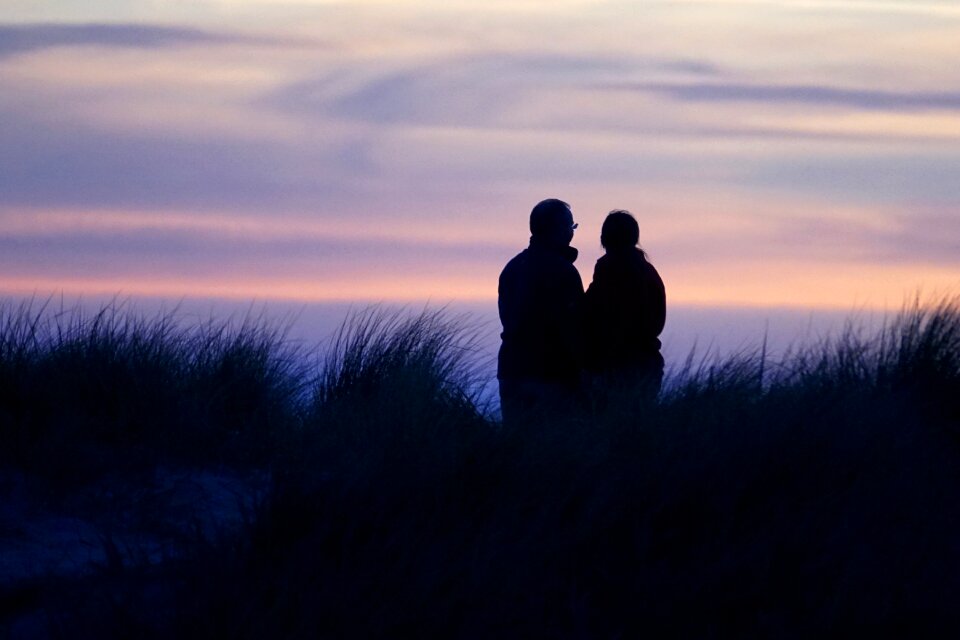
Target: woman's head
x,y
620,230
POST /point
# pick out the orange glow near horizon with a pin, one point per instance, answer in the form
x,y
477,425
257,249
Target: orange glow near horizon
x,y
826,287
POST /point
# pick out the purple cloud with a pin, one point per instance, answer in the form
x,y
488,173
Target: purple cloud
x,y
188,253
64,163
25,38
472,91
802,94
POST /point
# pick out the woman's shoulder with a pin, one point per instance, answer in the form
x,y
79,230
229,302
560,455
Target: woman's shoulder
x,y
622,260
604,266
626,267
650,274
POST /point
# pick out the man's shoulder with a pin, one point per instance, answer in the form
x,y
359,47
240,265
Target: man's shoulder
x,y
516,262
532,257
536,263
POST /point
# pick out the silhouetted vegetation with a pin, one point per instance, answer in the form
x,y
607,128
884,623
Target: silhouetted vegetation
x,y
815,495
86,394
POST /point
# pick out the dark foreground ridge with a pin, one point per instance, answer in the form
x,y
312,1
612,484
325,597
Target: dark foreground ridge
x,y
819,495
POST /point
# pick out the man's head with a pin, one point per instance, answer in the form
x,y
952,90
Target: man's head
x,y
551,221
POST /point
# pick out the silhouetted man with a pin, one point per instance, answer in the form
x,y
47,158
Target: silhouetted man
x,y
539,296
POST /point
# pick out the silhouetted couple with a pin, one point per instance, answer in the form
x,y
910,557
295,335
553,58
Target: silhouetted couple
x,y
559,342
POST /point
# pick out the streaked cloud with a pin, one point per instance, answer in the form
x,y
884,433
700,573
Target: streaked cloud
x,y
874,177
935,8
804,94
477,90
74,163
186,255
39,224
25,38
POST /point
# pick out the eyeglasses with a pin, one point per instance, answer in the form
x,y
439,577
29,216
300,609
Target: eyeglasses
x,y
574,226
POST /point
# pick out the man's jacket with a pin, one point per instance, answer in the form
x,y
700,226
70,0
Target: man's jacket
x,y
540,294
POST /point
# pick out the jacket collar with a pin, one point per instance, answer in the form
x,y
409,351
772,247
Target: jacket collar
x,y
566,251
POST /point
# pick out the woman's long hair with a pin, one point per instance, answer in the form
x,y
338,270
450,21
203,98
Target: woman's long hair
x,y
620,231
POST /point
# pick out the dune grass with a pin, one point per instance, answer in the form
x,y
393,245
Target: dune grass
x,y
815,495
84,394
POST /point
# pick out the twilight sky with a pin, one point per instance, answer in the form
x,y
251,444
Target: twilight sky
x,y
799,153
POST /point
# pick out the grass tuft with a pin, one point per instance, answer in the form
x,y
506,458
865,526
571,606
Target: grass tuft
x,y
85,394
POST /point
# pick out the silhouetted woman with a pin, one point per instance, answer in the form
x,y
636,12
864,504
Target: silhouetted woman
x,y
624,312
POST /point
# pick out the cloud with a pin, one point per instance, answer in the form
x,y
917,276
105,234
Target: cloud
x,y
931,176
866,99
49,162
897,238
183,254
25,38
830,235
474,91
926,237
935,8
